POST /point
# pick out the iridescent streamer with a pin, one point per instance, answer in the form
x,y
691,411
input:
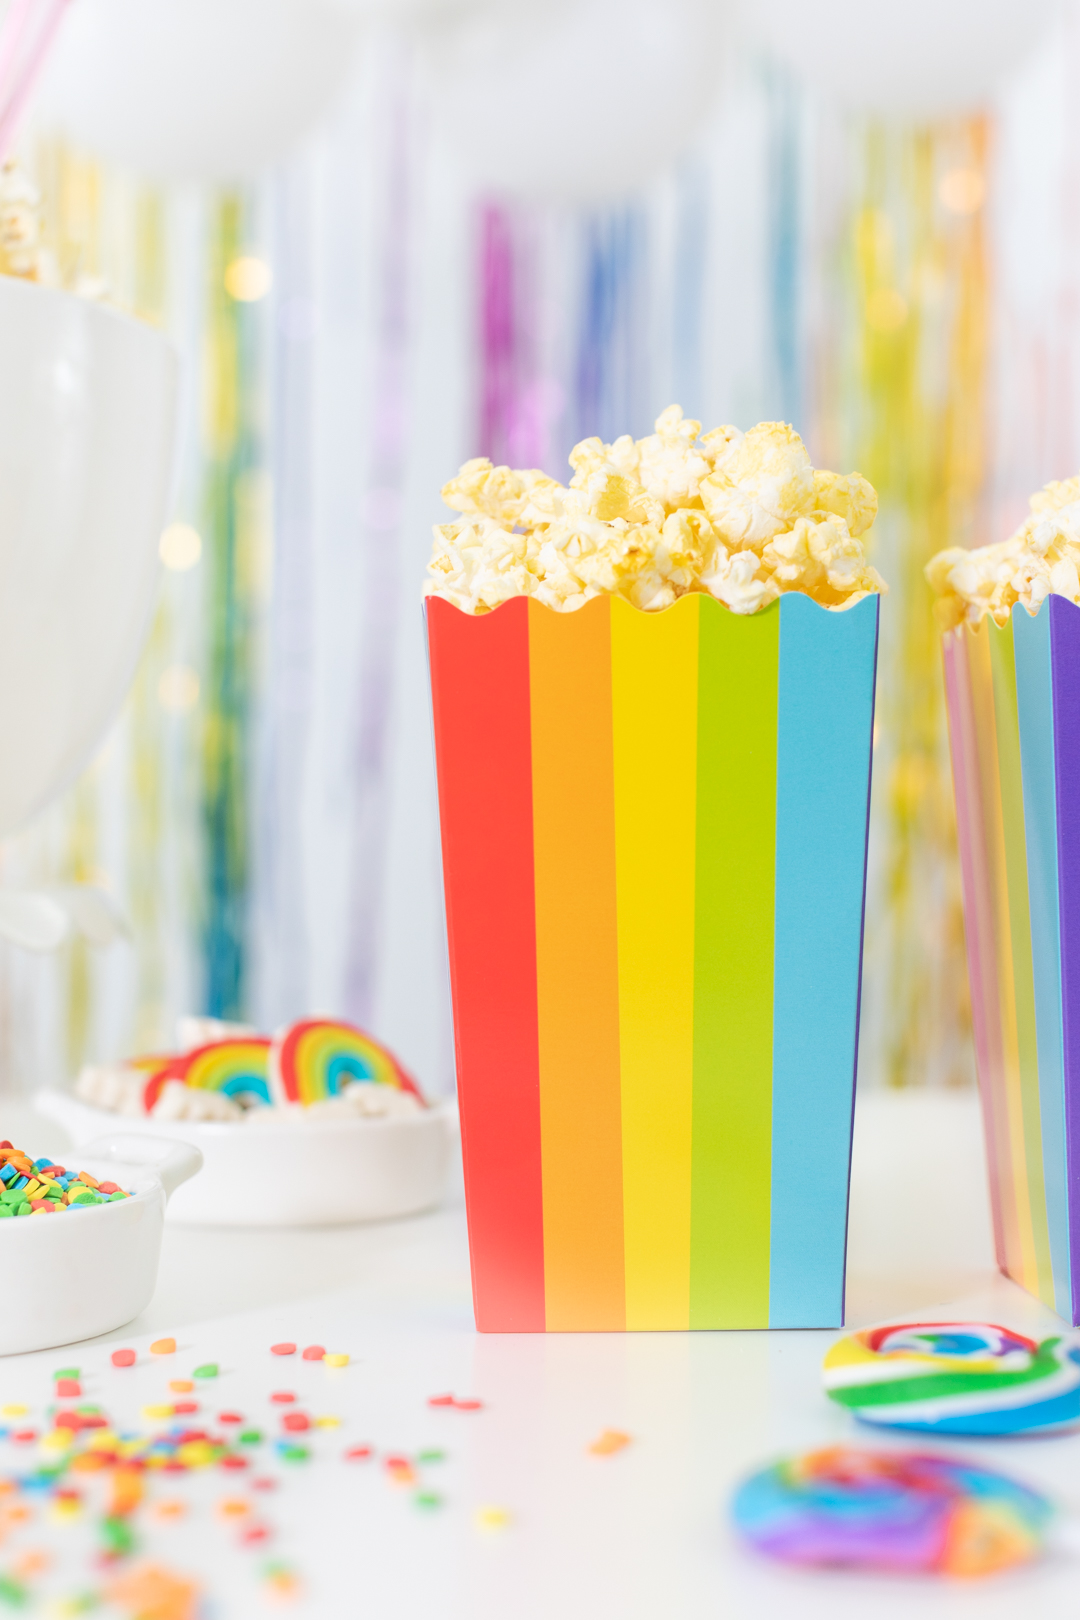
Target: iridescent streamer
x,y
518,398
916,411
498,332
145,785
231,542
610,373
282,942
381,540
783,248
691,250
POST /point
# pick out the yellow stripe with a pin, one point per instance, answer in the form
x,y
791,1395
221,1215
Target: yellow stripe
x,y
982,686
1016,876
654,671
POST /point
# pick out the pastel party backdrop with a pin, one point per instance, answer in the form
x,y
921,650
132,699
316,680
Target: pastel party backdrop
x,y
375,286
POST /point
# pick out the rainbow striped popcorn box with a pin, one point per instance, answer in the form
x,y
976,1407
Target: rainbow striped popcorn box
x,y
1014,725
654,855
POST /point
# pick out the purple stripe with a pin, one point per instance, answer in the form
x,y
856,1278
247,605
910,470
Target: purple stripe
x,y
1065,665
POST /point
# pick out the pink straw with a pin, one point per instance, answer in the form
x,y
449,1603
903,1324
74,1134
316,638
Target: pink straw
x,y
13,102
11,32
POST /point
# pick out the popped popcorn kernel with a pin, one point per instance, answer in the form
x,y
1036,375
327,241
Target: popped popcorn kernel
x,y
849,496
1041,558
482,490
758,484
740,516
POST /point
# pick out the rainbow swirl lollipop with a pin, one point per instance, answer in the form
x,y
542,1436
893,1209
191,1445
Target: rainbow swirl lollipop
x,y
896,1511
238,1068
317,1057
956,1378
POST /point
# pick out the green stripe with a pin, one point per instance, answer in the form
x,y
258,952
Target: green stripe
x,y
937,1386
1007,724
738,665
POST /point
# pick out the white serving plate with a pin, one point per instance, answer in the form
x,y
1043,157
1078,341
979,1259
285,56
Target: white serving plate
x,y
312,1174
75,1276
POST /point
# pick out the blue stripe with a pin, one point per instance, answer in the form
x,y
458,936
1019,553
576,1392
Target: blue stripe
x,y
246,1085
344,1067
826,706
1059,1410
1035,705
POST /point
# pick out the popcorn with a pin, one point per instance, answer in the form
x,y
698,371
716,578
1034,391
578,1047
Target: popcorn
x,y
666,464
494,492
742,517
21,250
1041,558
758,484
479,564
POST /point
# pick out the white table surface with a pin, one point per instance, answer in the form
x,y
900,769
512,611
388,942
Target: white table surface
x,y
641,1533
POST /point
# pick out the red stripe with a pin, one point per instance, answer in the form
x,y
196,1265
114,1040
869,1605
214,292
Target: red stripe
x,y
875,1337
483,752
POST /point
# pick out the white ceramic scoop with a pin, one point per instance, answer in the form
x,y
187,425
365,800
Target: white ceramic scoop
x,y
82,1273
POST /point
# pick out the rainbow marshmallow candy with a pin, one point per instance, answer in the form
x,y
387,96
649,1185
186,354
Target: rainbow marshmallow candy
x,y
316,1058
897,1512
957,1378
237,1068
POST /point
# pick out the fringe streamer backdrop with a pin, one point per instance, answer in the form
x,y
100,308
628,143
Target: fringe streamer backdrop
x,y
264,807
916,416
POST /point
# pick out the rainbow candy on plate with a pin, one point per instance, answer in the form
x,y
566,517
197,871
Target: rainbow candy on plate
x,y
238,1068
316,1058
900,1512
957,1378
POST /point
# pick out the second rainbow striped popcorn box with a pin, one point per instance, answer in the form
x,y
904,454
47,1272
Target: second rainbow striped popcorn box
x,y
654,851
1014,724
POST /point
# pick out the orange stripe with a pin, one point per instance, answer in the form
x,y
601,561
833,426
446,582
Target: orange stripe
x,y
1021,1248
577,966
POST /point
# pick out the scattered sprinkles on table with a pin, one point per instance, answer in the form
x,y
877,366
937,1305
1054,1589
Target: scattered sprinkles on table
x,y
493,1518
606,1444
40,1187
118,1487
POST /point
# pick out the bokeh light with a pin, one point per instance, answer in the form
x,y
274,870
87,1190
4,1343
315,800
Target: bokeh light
x,y
962,191
178,689
248,279
180,547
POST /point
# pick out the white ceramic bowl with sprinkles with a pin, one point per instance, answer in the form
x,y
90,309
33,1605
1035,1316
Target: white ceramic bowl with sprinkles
x,y
78,1273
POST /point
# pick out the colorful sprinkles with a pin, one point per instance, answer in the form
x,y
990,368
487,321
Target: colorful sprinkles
x,y
40,1187
608,1443
70,1462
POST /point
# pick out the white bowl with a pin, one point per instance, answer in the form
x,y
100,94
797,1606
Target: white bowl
x,y
316,1173
75,1276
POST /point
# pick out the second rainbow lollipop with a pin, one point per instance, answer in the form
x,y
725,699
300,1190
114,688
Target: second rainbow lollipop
x,y
957,1378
